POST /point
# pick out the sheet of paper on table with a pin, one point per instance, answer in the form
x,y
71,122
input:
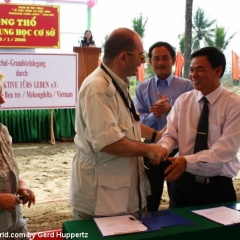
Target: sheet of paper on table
x,y
119,225
222,215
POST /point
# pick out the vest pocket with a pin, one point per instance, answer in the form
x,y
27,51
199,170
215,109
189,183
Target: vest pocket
x,y
4,185
112,194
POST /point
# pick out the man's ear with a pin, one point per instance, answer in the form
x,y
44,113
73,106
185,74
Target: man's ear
x,y
150,61
174,60
123,57
219,70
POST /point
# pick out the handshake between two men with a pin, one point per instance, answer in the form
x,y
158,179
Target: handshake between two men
x,y
160,154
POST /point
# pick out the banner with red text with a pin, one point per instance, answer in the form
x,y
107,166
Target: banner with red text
x,y
39,81
29,26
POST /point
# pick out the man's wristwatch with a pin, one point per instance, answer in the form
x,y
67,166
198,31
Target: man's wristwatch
x,y
154,137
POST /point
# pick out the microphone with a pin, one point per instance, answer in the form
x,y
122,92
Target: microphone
x,y
79,39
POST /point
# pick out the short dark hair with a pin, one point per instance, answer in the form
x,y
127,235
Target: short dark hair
x,y
162,44
121,39
215,57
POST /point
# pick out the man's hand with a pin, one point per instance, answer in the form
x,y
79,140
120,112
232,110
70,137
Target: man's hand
x,y
164,154
26,193
9,201
154,153
163,157
162,98
176,169
162,106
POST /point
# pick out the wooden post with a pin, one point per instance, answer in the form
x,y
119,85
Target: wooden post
x,y
52,137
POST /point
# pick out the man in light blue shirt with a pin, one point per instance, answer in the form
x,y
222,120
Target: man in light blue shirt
x,y
154,99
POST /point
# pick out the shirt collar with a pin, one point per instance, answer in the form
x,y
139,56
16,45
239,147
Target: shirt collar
x,y
120,82
211,97
168,79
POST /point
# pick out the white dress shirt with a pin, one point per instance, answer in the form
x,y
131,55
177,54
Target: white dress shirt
x,y
223,134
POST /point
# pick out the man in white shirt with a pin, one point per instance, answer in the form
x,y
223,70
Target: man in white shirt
x,y
107,176
204,177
